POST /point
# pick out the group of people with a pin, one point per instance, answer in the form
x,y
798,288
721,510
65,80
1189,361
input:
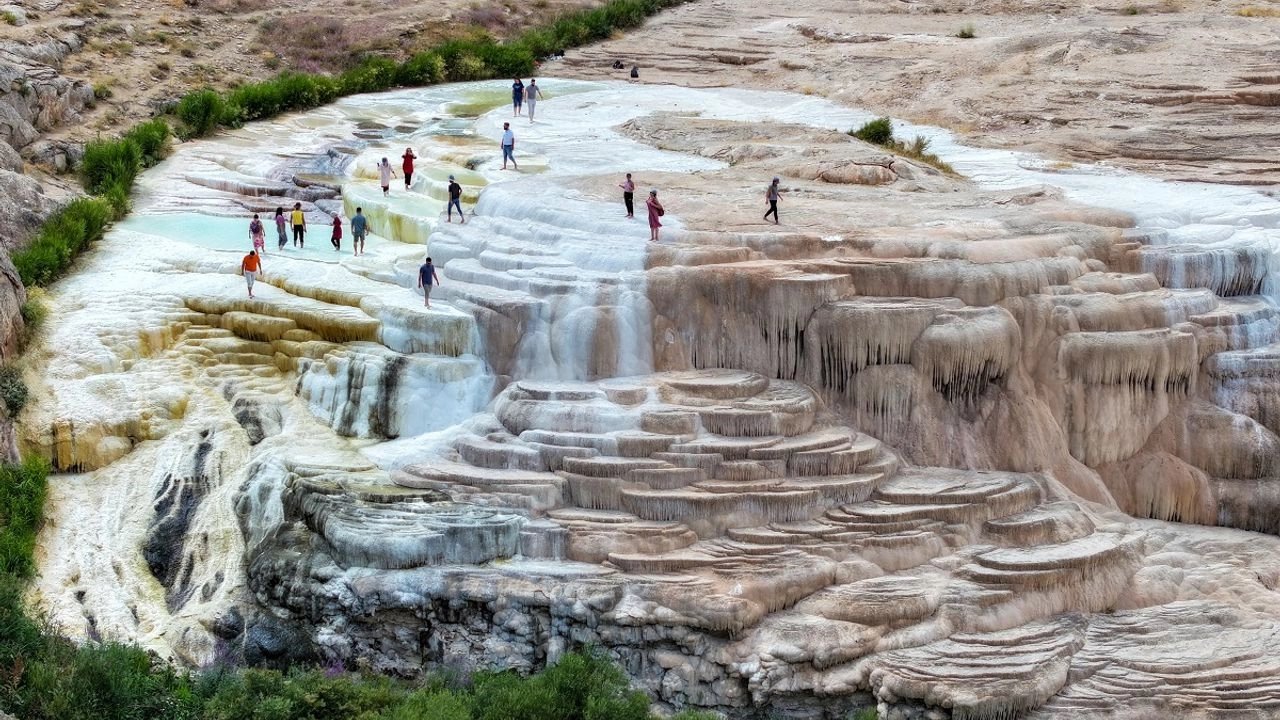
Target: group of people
x,y
521,96
525,95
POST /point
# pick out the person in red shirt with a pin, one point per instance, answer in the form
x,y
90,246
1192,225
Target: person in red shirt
x,y
337,233
250,266
408,157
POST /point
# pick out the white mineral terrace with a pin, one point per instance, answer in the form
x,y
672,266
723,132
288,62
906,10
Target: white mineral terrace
x,y
887,451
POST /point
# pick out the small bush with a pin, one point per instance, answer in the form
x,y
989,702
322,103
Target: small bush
x,y
102,90
876,132
967,33
34,313
152,139
201,111
9,18
421,69
22,492
110,163
13,390
64,235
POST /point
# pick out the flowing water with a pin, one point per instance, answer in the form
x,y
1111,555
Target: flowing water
x,y
157,401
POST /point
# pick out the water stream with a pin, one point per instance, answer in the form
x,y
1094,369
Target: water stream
x,y
163,395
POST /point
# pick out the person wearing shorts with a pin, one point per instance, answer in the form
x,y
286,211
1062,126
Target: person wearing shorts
x,y
359,226
250,266
299,220
426,278
508,147
455,200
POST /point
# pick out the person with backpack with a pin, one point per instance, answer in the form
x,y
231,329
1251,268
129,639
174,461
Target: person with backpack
x,y
455,200
655,211
258,234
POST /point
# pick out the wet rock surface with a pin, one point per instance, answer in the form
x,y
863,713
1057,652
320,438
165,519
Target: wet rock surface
x,y
887,453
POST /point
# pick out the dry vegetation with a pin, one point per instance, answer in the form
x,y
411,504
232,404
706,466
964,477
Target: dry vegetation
x,y
145,54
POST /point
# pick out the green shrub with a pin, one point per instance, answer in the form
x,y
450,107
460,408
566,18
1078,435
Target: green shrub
x,y
201,111
22,492
371,75
582,686
876,132
421,69
152,139
34,312
13,390
431,705
110,163
64,235
967,33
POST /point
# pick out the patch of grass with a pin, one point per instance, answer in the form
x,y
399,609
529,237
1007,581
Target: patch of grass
x,y
102,89
1254,11
201,112
1131,10
865,714
9,18
34,313
64,235
880,132
876,132
967,33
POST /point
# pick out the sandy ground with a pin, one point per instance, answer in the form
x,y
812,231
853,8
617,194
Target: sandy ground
x,y
1184,89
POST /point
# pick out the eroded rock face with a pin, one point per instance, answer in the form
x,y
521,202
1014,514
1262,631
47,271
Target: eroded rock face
x,y
880,454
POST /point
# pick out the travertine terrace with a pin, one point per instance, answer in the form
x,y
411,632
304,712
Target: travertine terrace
x,y
915,448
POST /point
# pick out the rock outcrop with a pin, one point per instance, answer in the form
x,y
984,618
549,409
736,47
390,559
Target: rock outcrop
x,y
887,453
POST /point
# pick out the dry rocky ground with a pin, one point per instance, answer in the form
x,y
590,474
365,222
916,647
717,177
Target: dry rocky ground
x,y
1184,89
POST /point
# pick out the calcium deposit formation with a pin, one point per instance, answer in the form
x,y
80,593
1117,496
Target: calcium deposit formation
x,y
984,445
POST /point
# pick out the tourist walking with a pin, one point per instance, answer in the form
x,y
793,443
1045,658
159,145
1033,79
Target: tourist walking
x,y
250,266
655,212
359,227
385,173
455,200
407,166
629,195
532,94
508,147
336,239
517,96
299,219
426,277
771,196
258,234
282,233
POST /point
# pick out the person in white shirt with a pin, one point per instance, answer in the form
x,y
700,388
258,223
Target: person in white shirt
x,y
509,146
385,173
